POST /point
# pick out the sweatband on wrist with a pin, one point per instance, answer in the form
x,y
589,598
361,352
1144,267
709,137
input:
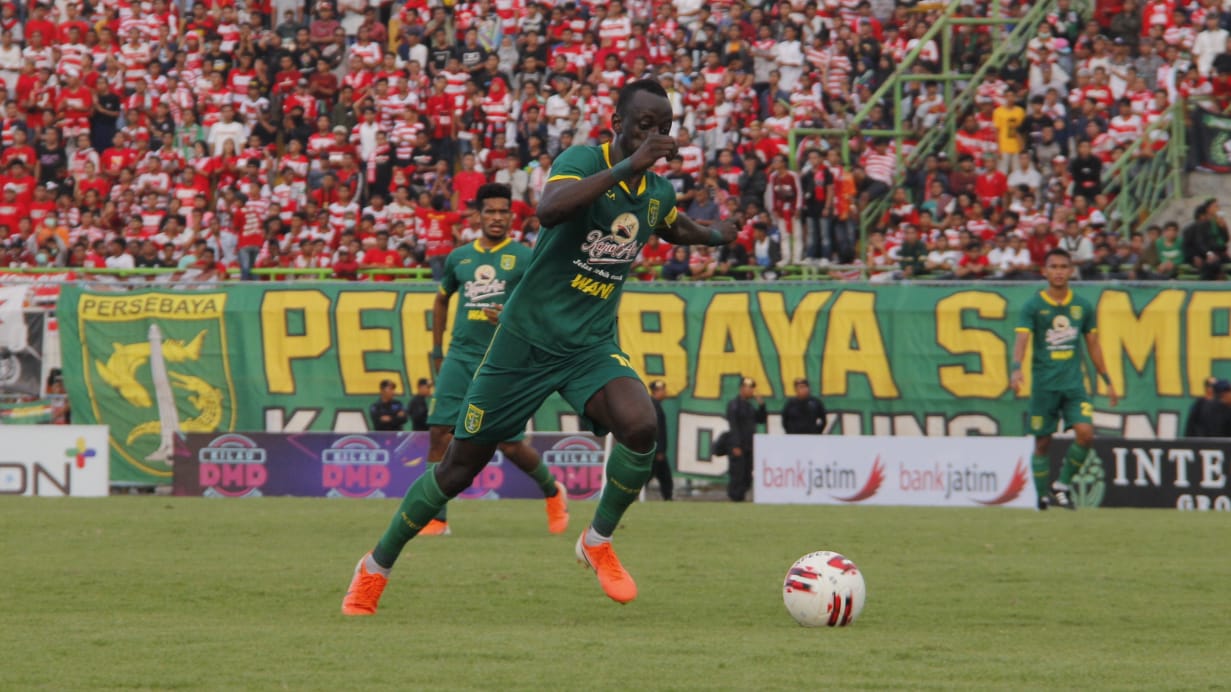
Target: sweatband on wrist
x,y
623,170
1017,365
1104,377
438,352
715,237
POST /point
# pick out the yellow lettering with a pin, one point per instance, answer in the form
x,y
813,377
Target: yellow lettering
x,y
356,341
282,348
476,316
989,378
792,334
1204,346
593,287
728,346
417,333
1155,331
167,306
663,343
853,344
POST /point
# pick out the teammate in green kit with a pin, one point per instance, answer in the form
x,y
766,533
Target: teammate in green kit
x,y
1056,322
557,333
485,272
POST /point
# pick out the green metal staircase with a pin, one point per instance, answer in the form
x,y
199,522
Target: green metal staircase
x,y
959,92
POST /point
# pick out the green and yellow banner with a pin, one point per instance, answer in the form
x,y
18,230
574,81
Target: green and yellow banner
x,y
888,360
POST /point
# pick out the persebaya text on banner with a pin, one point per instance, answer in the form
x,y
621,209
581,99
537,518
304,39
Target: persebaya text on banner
x,y
1193,474
54,461
925,471
368,465
896,360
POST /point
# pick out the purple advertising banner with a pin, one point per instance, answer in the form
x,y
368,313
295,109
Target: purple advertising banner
x,y
363,465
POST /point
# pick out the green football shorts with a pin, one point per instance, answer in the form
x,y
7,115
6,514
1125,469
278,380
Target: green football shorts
x,y
516,377
1047,406
452,381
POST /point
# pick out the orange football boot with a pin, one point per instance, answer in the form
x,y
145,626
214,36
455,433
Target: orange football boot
x,y
364,592
557,510
617,583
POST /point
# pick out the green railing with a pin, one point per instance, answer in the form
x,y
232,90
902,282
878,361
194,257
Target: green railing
x,y
1142,180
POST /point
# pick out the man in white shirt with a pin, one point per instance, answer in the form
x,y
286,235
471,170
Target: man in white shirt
x,y
118,257
789,55
1079,247
514,176
1025,174
1211,42
227,129
557,111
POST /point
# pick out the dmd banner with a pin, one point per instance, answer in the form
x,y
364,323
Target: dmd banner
x,y
929,471
1180,474
54,460
894,360
367,465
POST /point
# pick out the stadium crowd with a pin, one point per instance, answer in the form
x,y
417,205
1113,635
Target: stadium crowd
x,y
223,136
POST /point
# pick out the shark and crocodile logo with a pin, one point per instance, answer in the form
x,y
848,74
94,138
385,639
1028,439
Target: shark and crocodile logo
x,y
162,370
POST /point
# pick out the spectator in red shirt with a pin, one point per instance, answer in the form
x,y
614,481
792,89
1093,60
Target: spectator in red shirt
x,y
345,266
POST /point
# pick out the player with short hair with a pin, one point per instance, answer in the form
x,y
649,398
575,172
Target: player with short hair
x,y
557,333
1056,321
485,272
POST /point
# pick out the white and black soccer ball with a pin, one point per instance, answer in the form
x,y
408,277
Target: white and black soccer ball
x,y
824,589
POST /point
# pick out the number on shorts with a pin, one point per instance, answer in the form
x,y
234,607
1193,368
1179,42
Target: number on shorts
x,y
1087,409
622,360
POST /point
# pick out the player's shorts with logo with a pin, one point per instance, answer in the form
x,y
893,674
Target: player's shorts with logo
x,y
516,377
1047,407
456,373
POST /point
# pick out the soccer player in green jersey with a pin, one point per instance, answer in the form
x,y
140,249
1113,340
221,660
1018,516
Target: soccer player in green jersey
x,y
1056,322
485,272
557,333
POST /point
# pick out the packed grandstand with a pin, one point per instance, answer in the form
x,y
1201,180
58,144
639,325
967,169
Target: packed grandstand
x,y
254,140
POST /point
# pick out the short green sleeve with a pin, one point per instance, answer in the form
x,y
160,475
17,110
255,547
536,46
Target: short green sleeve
x,y
575,163
448,281
1025,319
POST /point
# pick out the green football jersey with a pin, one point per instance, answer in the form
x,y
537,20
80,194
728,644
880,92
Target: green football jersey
x,y
484,278
1058,331
571,292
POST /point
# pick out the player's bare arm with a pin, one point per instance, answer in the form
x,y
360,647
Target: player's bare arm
x,y
440,316
563,198
1100,366
1019,353
684,231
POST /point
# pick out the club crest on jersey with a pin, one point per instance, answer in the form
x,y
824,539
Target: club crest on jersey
x,y
507,262
651,214
484,285
619,246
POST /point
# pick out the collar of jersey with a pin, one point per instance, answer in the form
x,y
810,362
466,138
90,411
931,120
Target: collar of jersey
x,y
1068,298
497,246
607,159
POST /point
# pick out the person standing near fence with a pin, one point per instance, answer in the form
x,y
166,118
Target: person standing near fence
x,y
662,462
803,414
743,416
387,413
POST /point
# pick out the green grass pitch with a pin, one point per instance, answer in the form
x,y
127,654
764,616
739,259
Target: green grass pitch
x,y
145,592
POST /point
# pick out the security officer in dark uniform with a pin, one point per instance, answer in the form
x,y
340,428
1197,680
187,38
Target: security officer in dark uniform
x,y
803,414
419,405
743,417
662,463
388,413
